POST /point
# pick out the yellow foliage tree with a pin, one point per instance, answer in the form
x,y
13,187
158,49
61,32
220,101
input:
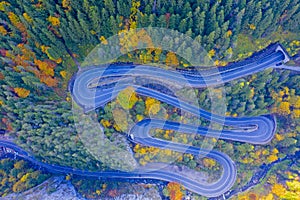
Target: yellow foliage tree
x,y
272,158
293,191
297,102
152,106
127,98
171,59
294,185
279,137
44,48
269,197
284,108
139,117
157,53
278,189
25,177
3,4
105,123
228,33
63,74
133,13
3,31
18,187
68,177
19,165
217,63
212,53
103,40
14,19
296,113
207,162
27,18
66,4
252,26
54,21
120,118
229,51
98,192
22,92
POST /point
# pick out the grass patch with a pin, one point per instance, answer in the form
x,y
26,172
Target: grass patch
x,y
245,44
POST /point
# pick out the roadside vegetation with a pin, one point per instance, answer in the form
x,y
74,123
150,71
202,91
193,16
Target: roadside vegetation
x,y
282,182
18,176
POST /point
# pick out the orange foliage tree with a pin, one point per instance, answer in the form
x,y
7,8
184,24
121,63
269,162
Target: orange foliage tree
x,y
46,67
174,190
1,76
18,24
112,193
49,81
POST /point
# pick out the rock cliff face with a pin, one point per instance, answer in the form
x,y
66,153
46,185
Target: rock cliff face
x,y
52,189
138,192
57,189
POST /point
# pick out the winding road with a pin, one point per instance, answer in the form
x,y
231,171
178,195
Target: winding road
x,y
96,86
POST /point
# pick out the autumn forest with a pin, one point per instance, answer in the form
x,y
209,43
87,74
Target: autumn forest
x,y
42,44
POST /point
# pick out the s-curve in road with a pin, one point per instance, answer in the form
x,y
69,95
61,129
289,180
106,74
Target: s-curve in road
x,y
98,85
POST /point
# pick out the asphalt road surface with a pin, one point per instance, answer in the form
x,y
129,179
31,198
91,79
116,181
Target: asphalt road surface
x,y
99,85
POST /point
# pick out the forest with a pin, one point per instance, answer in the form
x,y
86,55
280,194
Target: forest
x,y
43,43
18,176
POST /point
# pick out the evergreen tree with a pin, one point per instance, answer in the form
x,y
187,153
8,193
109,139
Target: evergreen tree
x,y
123,8
211,20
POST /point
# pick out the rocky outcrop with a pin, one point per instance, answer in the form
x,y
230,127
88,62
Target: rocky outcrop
x,y
52,189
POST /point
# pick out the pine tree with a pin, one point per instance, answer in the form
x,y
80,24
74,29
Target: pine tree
x,y
182,26
199,21
265,22
123,8
186,9
248,14
113,25
162,21
238,21
172,22
257,15
82,19
221,16
228,8
148,9
179,6
211,20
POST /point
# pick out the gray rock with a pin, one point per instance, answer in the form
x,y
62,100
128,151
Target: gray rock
x,y
52,189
